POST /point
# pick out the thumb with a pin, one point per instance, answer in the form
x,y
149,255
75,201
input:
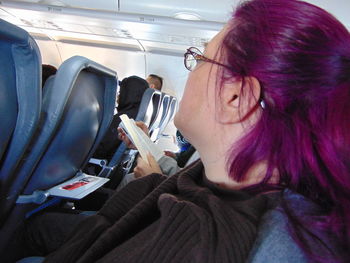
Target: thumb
x,y
152,162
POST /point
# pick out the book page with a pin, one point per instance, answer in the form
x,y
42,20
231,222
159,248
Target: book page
x,y
141,141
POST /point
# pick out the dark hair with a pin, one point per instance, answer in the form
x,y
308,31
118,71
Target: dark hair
x,y
131,92
156,80
47,71
300,55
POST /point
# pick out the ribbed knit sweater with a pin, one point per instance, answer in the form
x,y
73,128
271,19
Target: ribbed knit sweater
x,y
183,218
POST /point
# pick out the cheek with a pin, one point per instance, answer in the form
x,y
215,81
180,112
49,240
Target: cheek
x,y
183,114
188,106
193,112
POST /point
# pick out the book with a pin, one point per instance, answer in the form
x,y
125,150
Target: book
x,y
141,141
78,187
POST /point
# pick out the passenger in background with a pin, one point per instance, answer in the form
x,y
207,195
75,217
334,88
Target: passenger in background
x,y
185,153
155,81
130,96
169,164
47,71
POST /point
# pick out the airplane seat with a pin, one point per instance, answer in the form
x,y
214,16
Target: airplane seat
x,y
149,111
20,99
155,110
48,83
168,116
20,81
77,110
155,124
165,114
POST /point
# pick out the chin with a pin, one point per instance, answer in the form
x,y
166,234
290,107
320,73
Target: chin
x,y
179,122
176,120
182,125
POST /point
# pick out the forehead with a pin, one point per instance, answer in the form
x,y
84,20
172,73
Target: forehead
x,y
212,46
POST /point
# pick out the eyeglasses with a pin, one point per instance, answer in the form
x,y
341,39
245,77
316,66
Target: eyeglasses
x,y
193,55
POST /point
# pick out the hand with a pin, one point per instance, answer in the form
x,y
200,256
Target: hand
x,y
143,168
122,136
143,127
170,154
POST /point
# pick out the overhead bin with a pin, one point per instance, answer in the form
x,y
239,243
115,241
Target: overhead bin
x,y
207,10
131,30
105,5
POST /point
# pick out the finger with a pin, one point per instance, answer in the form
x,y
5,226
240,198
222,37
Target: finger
x,y
120,134
142,164
137,172
143,168
143,127
153,163
151,160
170,154
139,160
120,131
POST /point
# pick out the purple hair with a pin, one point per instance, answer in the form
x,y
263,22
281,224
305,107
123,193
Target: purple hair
x,y
301,56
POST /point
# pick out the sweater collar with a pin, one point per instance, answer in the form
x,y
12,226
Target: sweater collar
x,y
193,179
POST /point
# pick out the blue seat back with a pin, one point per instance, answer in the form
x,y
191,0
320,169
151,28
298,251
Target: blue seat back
x,y
79,108
76,112
146,109
149,113
20,99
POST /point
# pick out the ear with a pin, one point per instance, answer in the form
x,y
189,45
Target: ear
x,y
238,100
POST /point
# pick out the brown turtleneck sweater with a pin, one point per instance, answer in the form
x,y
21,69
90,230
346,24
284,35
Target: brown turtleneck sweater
x,y
183,218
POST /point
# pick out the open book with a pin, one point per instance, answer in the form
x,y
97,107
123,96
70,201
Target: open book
x,y
141,141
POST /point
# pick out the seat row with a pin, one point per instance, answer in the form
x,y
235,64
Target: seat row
x,y
48,135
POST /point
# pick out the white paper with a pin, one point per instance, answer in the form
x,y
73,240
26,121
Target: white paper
x,y
141,141
78,187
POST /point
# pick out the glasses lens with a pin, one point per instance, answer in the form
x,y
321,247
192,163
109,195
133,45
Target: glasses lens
x,y
190,61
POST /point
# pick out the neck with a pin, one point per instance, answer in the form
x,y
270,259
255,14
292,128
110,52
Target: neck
x,y
216,171
215,152
214,162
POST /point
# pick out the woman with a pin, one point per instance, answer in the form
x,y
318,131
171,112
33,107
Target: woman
x,y
267,108
129,99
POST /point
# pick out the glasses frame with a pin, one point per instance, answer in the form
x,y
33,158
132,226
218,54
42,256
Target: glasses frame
x,y
198,56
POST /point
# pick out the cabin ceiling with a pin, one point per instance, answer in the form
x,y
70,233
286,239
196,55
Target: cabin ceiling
x,y
142,25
